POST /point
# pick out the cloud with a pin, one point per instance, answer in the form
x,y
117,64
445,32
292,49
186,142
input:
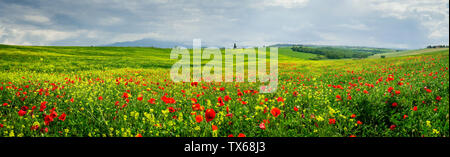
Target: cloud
x,y
380,23
432,14
286,3
37,18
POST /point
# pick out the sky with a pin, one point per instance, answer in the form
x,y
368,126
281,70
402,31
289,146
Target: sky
x,y
405,24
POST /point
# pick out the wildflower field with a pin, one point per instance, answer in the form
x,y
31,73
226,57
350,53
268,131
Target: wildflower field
x,y
127,92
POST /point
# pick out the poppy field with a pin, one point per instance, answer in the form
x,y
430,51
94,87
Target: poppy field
x,y
127,92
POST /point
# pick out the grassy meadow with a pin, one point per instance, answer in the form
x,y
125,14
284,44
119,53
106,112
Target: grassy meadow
x,y
127,92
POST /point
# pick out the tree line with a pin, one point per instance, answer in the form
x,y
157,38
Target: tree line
x,y
334,53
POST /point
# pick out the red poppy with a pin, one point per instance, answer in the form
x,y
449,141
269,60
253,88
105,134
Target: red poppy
x,y
171,109
275,112
22,112
332,121
262,126
43,106
438,98
414,108
280,99
390,89
365,91
392,127
295,109
140,98
151,101
214,128
210,114
353,116
428,90
125,95
48,119
397,92
100,98
405,116
226,98
230,135
62,117
338,97
359,122
394,104
138,135
241,135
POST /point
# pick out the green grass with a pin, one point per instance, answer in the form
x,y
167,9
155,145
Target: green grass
x,y
310,95
409,52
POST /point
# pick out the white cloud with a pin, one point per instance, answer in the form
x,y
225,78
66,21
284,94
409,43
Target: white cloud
x,y
360,26
37,18
286,3
110,21
432,14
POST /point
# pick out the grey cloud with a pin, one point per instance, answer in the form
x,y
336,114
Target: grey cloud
x,y
220,23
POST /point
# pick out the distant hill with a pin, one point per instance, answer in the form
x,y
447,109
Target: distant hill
x,y
148,43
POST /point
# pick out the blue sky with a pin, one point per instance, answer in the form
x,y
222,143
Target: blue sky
x,y
376,23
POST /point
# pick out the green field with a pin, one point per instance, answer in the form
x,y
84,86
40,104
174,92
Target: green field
x,y
409,52
127,92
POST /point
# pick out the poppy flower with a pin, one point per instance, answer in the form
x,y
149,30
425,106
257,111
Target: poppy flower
x,y
394,104
43,106
139,98
332,121
338,97
151,101
295,109
22,112
405,116
366,92
428,90
230,135
390,89
397,92
100,98
210,114
275,112
438,98
359,122
280,99
226,98
138,135
62,117
171,109
241,135
353,116
262,126
53,114
392,127
414,108
214,128
125,95
48,119
199,118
